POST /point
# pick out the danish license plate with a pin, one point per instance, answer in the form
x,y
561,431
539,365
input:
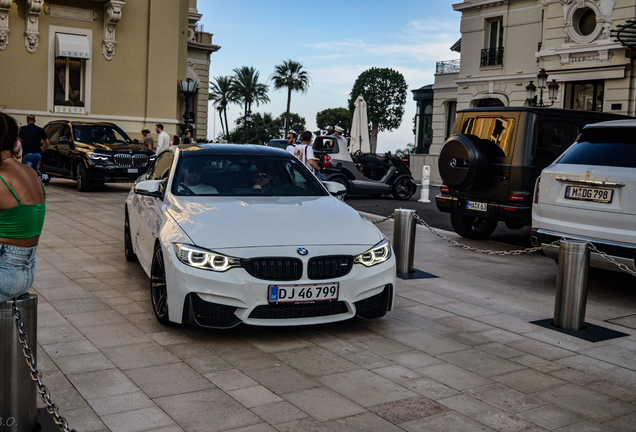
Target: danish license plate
x,y
473,205
589,194
303,293
133,170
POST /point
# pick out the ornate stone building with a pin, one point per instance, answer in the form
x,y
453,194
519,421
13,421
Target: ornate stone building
x,y
505,43
104,60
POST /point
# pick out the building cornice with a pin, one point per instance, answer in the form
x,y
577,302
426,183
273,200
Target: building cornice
x,y
478,4
202,46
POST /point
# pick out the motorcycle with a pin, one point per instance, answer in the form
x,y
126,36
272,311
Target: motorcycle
x,y
363,174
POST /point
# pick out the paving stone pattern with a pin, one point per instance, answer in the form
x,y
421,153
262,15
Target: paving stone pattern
x,y
457,354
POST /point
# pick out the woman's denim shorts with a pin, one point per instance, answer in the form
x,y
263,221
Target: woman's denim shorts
x,y
17,268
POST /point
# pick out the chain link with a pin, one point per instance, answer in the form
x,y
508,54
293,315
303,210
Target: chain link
x,y
555,243
610,259
36,375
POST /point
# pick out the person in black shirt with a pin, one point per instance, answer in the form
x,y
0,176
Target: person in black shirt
x,y
32,136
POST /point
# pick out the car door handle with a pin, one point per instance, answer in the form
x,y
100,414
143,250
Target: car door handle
x,y
501,178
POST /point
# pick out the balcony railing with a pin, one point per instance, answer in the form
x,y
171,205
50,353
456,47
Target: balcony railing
x,y
492,56
447,66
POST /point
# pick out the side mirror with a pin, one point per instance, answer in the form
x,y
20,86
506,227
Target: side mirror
x,y
335,188
149,188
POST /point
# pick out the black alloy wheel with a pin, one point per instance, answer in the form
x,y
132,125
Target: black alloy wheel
x,y
128,247
158,287
474,228
403,189
81,175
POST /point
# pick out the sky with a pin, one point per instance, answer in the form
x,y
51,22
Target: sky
x,y
335,41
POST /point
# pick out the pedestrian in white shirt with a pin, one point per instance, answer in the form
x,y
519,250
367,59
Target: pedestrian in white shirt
x,y
305,153
163,142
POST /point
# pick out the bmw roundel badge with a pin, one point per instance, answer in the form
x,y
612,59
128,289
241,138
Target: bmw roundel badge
x,y
302,251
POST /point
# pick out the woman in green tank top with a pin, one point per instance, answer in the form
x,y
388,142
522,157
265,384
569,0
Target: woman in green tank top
x,y
22,210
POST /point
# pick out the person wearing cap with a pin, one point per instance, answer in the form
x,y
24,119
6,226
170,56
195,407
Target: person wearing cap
x,y
32,136
338,131
149,141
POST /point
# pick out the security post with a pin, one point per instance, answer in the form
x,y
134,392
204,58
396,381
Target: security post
x,y
426,181
571,289
404,240
18,391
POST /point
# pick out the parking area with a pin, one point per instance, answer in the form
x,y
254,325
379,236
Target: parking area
x,y
458,353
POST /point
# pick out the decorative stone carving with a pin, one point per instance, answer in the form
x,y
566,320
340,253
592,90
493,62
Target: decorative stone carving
x,y
112,15
5,5
72,13
572,10
34,7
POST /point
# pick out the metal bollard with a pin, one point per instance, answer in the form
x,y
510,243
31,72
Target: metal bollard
x,y
404,240
426,181
571,289
18,391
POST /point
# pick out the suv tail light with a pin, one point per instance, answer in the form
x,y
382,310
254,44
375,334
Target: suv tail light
x,y
444,189
518,196
326,162
536,191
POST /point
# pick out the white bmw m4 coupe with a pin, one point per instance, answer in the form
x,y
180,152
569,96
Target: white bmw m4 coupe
x,y
232,234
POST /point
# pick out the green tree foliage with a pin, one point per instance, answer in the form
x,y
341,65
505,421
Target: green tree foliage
x,y
247,89
221,95
295,124
262,129
291,76
384,91
330,117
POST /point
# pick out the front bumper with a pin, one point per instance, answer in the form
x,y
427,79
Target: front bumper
x,y
622,253
114,173
224,300
508,212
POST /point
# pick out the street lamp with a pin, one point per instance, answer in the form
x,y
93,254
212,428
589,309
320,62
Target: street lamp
x,y
188,88
542,79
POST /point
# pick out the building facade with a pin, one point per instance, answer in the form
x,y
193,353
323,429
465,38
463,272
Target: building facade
x,y
114,60
504,45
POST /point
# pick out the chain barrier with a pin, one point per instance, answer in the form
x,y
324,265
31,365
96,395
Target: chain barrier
x,y
555,243
36,375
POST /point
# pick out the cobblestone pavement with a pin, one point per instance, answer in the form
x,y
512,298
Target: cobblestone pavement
x,y
458,353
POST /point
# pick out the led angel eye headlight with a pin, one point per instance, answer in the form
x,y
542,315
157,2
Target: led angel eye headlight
x,y
376,255
204,259
97,156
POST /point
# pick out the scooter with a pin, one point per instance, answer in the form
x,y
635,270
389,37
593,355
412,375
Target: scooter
x,y
363,174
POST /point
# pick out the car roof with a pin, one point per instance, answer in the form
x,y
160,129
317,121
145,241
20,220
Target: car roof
x,y
237,149
546,111
83,123
612,123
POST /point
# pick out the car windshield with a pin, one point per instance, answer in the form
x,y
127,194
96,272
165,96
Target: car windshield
x,y
615,147
104,134
243,175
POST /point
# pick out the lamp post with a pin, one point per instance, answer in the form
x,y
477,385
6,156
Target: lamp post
x,y
542,79
188,88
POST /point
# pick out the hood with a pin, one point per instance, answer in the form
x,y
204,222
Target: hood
x,y
136,148
231,222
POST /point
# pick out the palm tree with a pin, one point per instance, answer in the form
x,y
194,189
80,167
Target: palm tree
x,y
247,89
290,75
221,94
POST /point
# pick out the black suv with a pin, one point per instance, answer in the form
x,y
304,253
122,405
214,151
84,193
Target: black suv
x,y
93,154
490,164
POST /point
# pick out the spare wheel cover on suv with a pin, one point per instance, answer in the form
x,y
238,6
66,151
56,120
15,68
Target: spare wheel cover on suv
x,y
463,161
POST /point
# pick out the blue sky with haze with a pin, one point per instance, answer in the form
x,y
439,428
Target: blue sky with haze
x,y
335,41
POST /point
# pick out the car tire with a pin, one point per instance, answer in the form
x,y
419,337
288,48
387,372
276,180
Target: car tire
x,y
128,247
474,228
159,287
463,161
81,176
403,189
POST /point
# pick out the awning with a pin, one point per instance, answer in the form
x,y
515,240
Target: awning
x,y
67,45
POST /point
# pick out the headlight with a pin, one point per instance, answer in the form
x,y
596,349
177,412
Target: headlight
x,y
98,157
204,259
376,255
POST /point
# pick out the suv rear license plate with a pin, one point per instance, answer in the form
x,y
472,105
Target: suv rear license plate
x,y
473,205
303,293
133,170
589,194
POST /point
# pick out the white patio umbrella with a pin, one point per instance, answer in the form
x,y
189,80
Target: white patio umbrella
x,y
360,128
